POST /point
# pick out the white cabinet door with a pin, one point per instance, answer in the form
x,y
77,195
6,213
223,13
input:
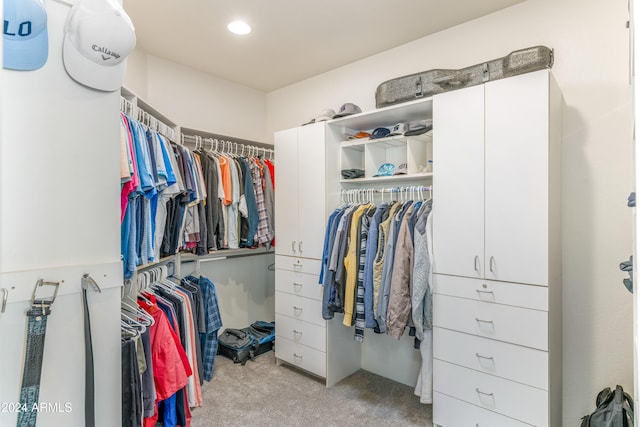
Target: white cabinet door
x,y
286,220
458,181
311,190
517,178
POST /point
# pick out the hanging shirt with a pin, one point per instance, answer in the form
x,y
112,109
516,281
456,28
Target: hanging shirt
x,y
351,265
421,298
262,233
226,180
213,323
361,257
378,263
168,358
371,249
399,310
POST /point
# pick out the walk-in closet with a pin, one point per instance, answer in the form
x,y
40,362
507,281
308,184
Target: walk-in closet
x,y
355,213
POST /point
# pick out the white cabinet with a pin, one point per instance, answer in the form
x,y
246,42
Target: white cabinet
x,y
300,217
497,254
300,177
492,178
517,179
458,215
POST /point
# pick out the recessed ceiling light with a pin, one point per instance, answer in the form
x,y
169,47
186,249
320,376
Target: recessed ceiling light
x,y
239,27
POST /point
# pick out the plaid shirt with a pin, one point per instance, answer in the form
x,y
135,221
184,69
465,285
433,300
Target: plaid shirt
x,y
263,220
213,323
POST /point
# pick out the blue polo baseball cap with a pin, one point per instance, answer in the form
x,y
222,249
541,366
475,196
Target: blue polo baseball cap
x,y
25,37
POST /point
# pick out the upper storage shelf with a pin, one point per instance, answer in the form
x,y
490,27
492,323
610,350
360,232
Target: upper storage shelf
x,y
409,155
388,116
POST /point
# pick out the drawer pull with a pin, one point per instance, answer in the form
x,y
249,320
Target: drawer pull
x,y
297,332
484,321
297,308
297,285
483,393
484,292
479,356
297,356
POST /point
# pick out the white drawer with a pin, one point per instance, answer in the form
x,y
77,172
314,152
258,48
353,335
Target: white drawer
x,y
301,332
304,357
300,308
296,283
450,412
528,296
302,265
522,364
516,325
515,400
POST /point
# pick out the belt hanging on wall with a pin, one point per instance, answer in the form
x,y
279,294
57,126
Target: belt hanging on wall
x,y
36,329
89,390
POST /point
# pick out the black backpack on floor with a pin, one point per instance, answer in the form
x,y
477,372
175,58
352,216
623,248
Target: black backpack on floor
x,y
264,334
614,408
243,344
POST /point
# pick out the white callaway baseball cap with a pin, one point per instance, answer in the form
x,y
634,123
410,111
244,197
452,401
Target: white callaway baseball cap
x,y
25,36
99,36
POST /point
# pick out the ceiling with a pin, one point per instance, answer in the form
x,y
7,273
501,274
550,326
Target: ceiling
x,y
291,39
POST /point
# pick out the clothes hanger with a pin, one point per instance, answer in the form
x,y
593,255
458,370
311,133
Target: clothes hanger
x,y
133,322
129,331
139,312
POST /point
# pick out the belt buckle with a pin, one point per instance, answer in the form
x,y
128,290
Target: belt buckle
x,y
44,302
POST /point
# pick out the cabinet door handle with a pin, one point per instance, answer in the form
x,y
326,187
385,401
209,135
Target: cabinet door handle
x,y
476,263
5,295
293,246
480,292
492,262
300,246
479,356
483,393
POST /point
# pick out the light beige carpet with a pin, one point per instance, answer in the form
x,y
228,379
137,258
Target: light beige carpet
x,y
264,394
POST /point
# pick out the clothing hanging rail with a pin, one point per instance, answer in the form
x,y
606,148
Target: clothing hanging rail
x,y
227,144
169,261
367,195
147,119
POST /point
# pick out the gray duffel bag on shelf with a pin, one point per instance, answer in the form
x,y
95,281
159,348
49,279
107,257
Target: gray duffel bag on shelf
x,y
429,83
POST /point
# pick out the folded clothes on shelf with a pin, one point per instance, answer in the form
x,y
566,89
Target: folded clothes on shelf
x,y
352,173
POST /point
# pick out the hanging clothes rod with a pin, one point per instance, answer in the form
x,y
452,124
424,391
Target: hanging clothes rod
x,y
388,190
362,195
137,113
224,145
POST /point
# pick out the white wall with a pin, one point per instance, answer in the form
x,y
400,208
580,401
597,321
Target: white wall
x,y
592,46
198,100
59,219
245,287
136,77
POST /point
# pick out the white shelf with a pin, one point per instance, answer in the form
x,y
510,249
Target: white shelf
x,y
370,154
393,178
388,116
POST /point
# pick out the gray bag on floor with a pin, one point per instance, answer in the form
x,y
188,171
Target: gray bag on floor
x,y
614,408
429,83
